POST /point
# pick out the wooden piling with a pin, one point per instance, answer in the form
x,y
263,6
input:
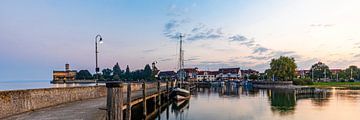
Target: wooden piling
x,y
159,93
114,100
144,99
167,90
128,110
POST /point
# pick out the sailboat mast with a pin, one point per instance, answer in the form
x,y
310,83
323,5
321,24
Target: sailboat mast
x,y
181,60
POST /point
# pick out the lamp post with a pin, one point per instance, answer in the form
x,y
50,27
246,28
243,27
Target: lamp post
x,y
97,69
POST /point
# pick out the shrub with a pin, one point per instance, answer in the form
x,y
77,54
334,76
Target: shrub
x,y
302,81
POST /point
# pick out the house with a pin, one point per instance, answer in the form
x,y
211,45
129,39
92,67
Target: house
x,y
64,75
166,75
302,73
190,73
229,73
207,75
249,72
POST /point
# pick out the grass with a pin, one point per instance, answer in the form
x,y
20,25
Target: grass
x,y
337,84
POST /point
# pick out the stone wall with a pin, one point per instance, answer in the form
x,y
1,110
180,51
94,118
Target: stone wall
x,y
19,101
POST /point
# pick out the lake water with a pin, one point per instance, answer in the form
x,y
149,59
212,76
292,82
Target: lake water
x,y
233,103
33,84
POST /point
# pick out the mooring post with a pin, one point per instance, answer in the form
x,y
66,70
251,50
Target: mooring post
x,y
128,99
167,90
144,99
114,100
159,93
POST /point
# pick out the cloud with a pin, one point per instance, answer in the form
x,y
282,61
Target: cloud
x,y
193,58
149,50
260,50
321,25
171,28
239,38
164,59
357,55
258,57
203,32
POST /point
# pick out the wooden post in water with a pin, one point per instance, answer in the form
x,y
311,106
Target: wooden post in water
x,y
114,100
167,90
144,99
128,100
159,93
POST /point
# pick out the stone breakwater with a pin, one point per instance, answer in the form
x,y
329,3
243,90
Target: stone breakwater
x,y
19,101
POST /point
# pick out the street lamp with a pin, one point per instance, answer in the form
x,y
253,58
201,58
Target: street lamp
x,y
97,69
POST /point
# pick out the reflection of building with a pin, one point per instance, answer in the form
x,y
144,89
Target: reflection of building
x,y
206,75
229,73
64,75
167,75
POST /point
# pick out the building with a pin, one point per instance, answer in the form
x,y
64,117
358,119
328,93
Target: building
x,y
190,73
64,75
229,73
207,75
249,72
302,73
167,75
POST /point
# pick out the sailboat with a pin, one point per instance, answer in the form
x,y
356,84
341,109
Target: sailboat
x,y
178,93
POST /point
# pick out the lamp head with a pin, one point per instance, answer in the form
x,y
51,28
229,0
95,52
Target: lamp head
x,y
100,41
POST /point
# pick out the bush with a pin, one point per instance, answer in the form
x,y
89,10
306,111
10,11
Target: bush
x,y
342,80
302,81
351,80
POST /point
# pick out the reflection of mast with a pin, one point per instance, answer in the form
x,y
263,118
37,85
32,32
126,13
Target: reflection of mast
x,y
181,60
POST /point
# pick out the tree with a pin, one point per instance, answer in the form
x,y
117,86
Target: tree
x,y
116,70
148,72
352,72
107,73
83,74
321,70
127,73
253,77
283,68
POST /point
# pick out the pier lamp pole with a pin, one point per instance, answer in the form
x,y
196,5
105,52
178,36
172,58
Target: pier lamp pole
x,y
97,69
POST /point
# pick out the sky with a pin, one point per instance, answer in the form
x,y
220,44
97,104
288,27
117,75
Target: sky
x,y
40,36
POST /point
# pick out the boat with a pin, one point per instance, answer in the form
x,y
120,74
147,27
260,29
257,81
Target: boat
x,y
179,93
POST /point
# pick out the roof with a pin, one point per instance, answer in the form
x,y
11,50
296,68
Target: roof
x,y
191,70
167,73
249,71
229,70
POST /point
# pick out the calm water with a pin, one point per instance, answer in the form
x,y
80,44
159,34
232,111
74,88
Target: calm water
x,y
253,104
33,84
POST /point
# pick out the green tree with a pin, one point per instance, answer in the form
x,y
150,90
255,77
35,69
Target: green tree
x,y
321,70
116,70
148,72
283,68
352,72
83,74
127,73
253,77
107,73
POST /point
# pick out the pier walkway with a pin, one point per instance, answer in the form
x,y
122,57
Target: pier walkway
x,y
90,109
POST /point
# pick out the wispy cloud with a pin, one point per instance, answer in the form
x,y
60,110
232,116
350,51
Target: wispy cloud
x,y
149,50
321,25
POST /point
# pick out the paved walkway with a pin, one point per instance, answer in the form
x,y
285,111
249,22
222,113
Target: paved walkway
x,y
91,109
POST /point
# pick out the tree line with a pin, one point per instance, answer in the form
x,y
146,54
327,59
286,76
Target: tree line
x,y
284,69
116,73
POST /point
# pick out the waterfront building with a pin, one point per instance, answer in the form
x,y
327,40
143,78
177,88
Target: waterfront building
x,y
190,73
207,75
166,75
67,74
302,73
229,73
249,72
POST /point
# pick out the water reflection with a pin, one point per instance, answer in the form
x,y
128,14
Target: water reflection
x,y
234,102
